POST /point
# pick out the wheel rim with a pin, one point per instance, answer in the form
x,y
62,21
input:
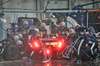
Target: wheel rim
x,y
13,52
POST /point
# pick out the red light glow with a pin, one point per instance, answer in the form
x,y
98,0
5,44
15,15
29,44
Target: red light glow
x,y
36,44
47,51
48,64
59,44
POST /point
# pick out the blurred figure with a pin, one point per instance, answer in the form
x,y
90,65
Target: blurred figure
x,y
63,29
53,19
3,25
72,35
43,30
88,38
83,44
33,31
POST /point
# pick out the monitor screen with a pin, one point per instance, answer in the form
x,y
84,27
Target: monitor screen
x,y
30,21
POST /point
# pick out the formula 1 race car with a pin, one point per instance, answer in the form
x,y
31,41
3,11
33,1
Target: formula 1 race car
x,y
48,47
52,46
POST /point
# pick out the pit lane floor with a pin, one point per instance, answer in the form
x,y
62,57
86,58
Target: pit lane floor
x,y
63,62
53,62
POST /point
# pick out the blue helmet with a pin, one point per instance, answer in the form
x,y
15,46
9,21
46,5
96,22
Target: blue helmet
x,y
36,30
15,37
19,43
62,24
71,31
74,26
20,35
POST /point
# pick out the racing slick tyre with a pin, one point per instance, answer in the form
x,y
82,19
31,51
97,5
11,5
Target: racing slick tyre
x,y
11,52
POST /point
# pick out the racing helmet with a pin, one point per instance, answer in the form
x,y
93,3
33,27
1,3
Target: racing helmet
x,y
20,35
15,37
36,30
19,43
53,16
62,24
43,25
71,31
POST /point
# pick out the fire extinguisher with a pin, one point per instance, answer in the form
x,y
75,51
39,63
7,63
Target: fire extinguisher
x,y
2,29
5,28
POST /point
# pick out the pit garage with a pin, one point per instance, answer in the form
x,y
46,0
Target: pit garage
x,y
49,32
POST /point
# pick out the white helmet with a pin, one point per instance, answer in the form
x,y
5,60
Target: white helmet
x,y
53,16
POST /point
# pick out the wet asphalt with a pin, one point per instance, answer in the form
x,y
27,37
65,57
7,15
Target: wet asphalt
x,y
52,62
63,62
